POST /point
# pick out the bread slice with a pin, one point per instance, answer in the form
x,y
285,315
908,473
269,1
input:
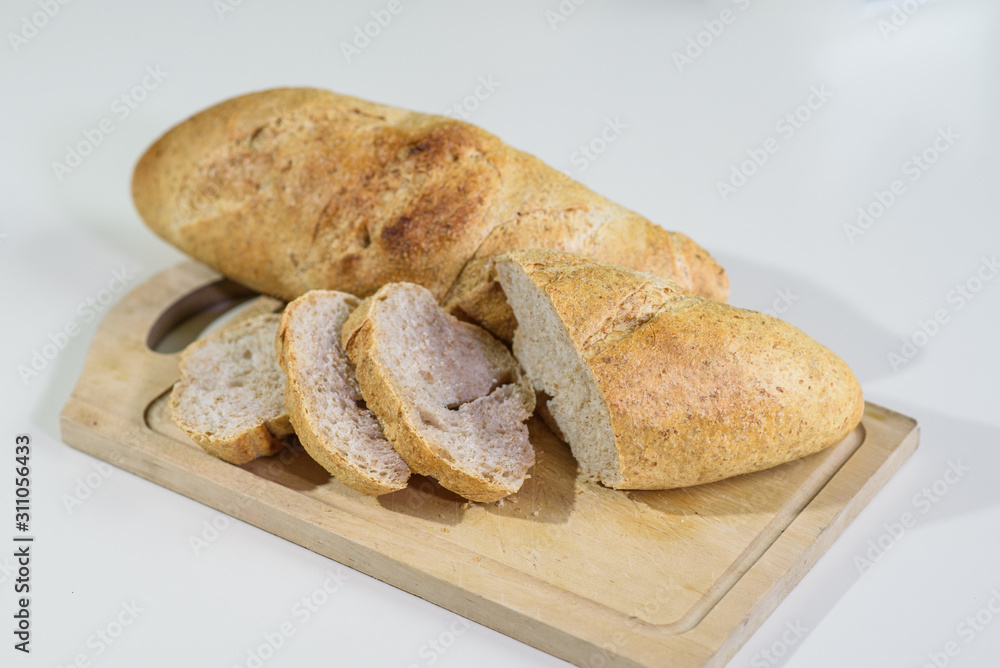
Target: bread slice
x,y
230,398
450,397
655,388
323,400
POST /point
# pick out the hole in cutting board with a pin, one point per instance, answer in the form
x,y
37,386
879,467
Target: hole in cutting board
x,y
197,314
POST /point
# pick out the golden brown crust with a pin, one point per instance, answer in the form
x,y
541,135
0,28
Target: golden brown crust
x,y
293,189
257,441
697,390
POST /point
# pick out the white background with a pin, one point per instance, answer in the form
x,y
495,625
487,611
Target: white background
x,y
686,127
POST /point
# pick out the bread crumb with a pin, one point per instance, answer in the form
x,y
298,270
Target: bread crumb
x,y
535,514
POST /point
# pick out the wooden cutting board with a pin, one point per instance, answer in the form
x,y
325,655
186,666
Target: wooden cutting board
x,y
592,575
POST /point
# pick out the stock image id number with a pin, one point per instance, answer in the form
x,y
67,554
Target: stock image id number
x,y
22,492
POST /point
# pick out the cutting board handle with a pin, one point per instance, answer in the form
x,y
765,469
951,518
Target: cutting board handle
x,y
123,356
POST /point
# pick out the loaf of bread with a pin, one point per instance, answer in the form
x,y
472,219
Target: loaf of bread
x,y
230,398
323,400
450,397
656,388
294,189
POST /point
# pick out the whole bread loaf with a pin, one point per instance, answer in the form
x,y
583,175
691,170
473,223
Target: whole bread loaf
x,y
655,388
294,189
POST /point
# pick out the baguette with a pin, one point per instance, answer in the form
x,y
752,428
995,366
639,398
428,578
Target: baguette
x,y
323,400
450,397
293,189
655,388
230,397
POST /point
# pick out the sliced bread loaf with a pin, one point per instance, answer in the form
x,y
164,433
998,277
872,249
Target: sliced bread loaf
x,y
450,397
323,400
655,388
230,398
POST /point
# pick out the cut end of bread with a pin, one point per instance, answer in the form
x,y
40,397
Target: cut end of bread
x,y
657,388
230,398
325,405
451,398
547,353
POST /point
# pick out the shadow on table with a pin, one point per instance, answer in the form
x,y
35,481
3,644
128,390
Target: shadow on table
x,y
951,476
821,314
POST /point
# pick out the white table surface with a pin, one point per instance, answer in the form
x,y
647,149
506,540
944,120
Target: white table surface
x,y
685,125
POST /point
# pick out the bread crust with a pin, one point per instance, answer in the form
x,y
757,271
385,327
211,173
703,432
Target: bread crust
x,y
400,418
254,442
696,390
293,189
